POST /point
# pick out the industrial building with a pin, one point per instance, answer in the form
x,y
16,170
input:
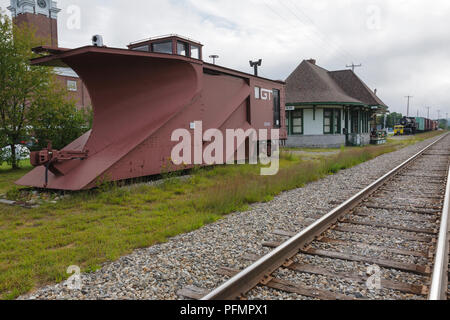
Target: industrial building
x,y
328,108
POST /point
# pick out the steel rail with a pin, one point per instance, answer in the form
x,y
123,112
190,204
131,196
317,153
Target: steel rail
x,y
439,280
250,277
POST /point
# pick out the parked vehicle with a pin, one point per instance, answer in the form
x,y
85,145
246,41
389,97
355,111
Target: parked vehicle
x,y
22,153
399,130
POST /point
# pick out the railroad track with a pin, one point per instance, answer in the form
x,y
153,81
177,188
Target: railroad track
x,y
389,241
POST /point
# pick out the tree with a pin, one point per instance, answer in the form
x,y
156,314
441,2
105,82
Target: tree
x,y
393,119
31,98
60,124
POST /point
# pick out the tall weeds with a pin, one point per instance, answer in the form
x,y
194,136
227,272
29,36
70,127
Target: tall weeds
x,y
238,191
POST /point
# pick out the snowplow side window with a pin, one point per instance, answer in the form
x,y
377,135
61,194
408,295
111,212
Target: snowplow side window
x,y
195,52
162,47
182,48
142,48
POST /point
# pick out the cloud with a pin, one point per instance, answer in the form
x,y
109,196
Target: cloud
x,y
403,45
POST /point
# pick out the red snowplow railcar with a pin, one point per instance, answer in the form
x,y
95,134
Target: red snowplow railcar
x,y
139,97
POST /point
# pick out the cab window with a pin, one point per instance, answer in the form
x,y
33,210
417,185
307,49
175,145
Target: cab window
x,y
182,48
195,52
162,47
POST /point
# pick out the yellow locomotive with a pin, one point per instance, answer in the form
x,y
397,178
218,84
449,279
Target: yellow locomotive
x,y
399,130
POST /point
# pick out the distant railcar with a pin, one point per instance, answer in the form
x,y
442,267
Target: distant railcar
x,y
435,125
426,125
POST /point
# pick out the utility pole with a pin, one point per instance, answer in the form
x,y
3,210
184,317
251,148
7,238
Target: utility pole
x,y
408,97
428,111
439,115
255,65
353,66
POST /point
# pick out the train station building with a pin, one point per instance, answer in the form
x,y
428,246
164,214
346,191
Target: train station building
x,y
328,108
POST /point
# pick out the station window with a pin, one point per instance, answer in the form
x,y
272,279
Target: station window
x,y
364,118
162,47
366,122
332,121
296,120
72,85
337,121
182,48
257,93
327,121
142,48
355,122
195,52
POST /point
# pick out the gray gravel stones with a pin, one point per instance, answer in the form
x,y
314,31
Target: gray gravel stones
x,y
193,259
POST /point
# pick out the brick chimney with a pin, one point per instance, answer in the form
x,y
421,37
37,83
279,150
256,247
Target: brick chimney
x,y
312,61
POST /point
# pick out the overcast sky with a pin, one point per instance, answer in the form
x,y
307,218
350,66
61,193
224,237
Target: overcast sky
x,y
404,45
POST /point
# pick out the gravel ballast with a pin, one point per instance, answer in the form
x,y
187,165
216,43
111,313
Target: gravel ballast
x,y
193,259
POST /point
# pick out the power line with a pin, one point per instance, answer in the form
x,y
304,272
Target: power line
x,y
319,31
284,19
288,21
316,30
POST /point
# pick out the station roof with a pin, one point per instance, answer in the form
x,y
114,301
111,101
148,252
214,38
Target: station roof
x,y
310,84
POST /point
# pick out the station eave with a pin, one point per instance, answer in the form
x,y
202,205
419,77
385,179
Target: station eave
x,y
326,103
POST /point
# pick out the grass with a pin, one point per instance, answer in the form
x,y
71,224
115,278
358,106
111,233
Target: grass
x,y
90,228
313,150
8,176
